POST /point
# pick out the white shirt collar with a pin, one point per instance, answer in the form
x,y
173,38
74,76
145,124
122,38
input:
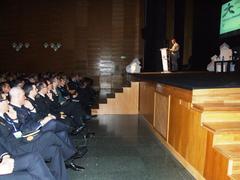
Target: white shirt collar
x,y
31,98
16,105
1,115
41,94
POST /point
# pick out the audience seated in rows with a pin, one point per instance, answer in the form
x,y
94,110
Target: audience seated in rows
x,y
39,112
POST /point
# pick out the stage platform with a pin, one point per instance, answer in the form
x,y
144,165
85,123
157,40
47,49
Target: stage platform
x,y
190,80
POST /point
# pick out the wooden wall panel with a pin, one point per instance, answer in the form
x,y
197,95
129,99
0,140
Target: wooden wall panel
x,y
146,102
186,135
161,113
216,164
206,155
94,34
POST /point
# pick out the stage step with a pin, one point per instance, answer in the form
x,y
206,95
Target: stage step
x,y
219,112
216,95
218,127
235,166
218,116
235,177
230,151
107,93
123,101
234,169
224,132
228,137
226,141
218,106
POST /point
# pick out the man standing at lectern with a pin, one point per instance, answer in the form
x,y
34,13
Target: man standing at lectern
x,y
174,55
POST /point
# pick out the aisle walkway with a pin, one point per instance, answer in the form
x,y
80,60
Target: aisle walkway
x,y
125,149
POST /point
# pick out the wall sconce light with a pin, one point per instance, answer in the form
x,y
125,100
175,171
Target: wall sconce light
x,y
123,57
54,46
20,45
45,45
27,45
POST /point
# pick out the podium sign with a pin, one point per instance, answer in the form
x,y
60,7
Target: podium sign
x,y
164,54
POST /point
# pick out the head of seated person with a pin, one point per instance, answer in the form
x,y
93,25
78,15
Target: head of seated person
x,y
42,88
62,81
5,87
30,90
55,82
19,82
4,107
17,96
72,88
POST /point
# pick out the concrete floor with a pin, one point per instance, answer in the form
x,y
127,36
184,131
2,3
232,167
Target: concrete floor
x,y
125,149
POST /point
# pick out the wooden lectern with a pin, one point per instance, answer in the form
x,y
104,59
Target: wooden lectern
x,y
165,59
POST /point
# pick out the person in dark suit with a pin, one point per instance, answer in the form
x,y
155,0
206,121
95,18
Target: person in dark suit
x,y
29,166
61,124
63,88
30,103
55,125
77,99
46,105
27,123
83,94
24,117
87,94
15,143
57,95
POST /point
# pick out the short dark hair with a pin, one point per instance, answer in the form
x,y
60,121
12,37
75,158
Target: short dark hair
x,y
27,88
72,86
3,84
40,85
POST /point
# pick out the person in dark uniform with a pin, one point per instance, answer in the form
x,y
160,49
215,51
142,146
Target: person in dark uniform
x,y
29,166
46,105
31,104
27,123
13,140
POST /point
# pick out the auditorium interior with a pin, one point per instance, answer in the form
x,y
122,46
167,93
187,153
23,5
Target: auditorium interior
x,y
88,93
